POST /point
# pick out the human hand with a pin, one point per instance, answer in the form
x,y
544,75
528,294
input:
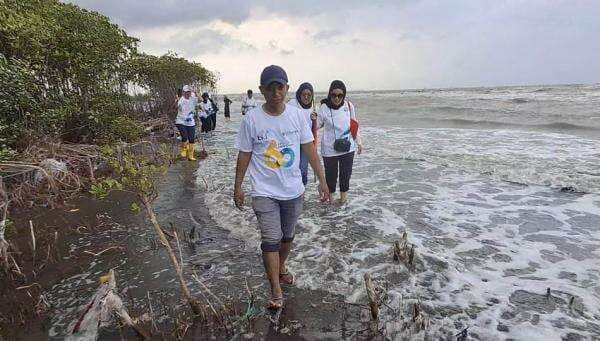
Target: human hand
x,y
324,194
313,116
359,149
238,198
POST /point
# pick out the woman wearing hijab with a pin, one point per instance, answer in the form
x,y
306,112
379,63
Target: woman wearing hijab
x,y
339,142
304,101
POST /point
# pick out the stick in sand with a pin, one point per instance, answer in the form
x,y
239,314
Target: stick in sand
x,y
373,306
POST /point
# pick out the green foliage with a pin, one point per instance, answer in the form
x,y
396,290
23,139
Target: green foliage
x,y
17,101
135,207
162,76
65,73
134,169
9,228
101,189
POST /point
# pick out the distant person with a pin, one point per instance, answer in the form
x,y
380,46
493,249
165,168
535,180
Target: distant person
x,y
304,101
213,115
175,102
186,110
248,103
226,103
205,113
340,139
269,142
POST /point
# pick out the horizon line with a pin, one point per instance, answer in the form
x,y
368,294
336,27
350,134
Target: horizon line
x,y
448,88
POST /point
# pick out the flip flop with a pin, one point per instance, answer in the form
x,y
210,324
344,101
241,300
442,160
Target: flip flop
x,y
286,278
275,303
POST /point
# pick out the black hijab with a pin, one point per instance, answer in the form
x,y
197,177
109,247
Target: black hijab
x,y
301,88
336,84
205,97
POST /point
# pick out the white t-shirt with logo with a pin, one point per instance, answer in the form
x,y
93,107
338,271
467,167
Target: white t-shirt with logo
x,y
186,110
275,145
336,124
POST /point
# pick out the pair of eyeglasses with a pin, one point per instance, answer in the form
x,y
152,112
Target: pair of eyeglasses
x,y
337,95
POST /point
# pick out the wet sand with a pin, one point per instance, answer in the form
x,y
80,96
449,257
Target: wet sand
x,y
86,226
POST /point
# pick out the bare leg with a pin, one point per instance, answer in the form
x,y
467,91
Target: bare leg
x,y
271,262
284,252
343,197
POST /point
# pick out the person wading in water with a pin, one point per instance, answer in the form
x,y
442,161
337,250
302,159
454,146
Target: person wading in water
x,y
269,143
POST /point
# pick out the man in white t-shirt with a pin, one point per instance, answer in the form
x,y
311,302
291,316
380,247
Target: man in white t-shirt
x,y
185,123
269,141
248,103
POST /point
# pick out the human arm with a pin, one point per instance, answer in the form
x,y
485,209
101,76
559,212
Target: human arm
x,y
241,167
318,116
310,151
244,144
358,138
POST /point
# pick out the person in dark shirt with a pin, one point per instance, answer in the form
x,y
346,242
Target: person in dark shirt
x,y
227,103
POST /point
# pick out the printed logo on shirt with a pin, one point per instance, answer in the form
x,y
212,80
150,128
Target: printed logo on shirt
x,y
275,157
190,117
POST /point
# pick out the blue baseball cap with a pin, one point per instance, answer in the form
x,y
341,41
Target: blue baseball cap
x,y
273,73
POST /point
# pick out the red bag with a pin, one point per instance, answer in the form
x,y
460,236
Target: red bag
x,y
353,123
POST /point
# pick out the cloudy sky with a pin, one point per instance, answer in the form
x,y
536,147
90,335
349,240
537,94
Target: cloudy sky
x,y
396,44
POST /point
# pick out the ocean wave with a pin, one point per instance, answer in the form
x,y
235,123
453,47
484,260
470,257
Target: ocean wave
x,y
519,100
555,125
540,175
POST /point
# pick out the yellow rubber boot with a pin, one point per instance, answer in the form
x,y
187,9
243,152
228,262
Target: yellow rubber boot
x,y
190,152
183,146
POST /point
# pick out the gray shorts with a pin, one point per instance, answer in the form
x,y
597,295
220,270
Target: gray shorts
x,y
277,220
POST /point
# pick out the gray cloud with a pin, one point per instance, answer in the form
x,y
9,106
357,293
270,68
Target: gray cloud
x,y
454,43
326,35
153,13
198,42
275,46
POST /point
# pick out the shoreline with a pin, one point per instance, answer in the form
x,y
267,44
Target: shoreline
x,y
97,235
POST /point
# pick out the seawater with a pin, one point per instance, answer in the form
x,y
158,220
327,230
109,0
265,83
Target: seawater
x,y
498,188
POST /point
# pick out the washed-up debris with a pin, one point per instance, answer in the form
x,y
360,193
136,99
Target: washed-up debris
x,y
100,311
372,296
420,319
463,335
404,252
51,167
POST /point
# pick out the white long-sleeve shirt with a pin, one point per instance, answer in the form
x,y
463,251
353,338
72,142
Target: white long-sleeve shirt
x,y
248,104
336,125
186,110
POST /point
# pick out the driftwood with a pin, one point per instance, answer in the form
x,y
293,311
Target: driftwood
x,y
372,296
4,218
156,124
404,252
36,177
420,319
197,308
103,305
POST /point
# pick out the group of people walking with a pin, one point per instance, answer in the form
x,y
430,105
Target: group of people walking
x,y
188,108
276,142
